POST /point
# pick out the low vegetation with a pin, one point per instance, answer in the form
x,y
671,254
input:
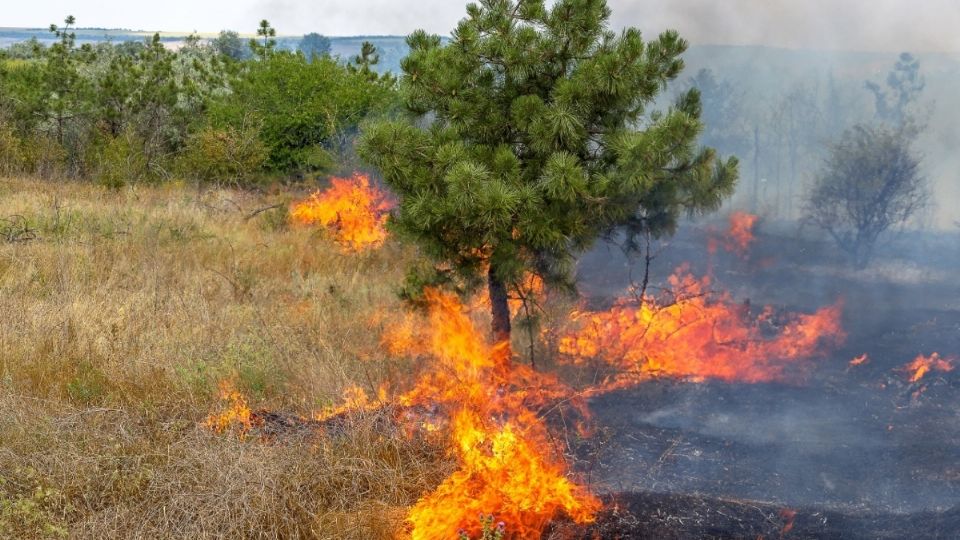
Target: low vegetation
x,y
224,112
122,310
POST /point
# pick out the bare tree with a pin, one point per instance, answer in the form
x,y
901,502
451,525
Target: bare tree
x,y
870,183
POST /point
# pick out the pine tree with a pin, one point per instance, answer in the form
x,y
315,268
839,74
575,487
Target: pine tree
x,y
904,85
61,78
529,136
268,34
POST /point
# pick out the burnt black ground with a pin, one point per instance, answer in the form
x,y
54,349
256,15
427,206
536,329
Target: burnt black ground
x,y
854,444
657,516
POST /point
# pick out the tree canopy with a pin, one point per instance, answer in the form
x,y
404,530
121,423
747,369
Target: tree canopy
x,y
314,45
529,135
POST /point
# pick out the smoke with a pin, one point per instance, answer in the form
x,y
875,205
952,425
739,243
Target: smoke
x,y
872,25
861,25
851,25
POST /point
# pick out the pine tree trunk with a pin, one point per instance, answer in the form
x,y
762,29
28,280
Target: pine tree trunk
x,y
499,306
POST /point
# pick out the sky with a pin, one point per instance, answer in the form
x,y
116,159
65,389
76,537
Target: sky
x,y
863,25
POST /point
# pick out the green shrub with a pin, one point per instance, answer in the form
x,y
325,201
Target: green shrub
x,y
225,155
43,156
120,160
308,110
11,154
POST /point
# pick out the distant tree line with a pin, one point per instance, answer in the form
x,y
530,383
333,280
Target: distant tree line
x,y
228,111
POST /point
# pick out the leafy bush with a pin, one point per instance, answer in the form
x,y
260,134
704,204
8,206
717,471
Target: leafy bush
x,y
11,156
233,155
119,112
119,161
307,110
43,156
871,182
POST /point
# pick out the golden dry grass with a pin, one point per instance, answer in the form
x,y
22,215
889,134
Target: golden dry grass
x,y
116,324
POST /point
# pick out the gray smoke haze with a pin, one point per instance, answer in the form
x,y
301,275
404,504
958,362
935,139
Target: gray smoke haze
x,y
870,25
873,25
876,25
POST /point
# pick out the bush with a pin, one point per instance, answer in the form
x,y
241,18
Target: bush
x,y
870,183
224,155
307,110
11,155
119,161
43,156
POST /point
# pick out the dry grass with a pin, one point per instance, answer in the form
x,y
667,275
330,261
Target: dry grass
x,y
118,320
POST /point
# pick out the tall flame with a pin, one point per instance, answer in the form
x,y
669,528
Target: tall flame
x,y
530,287
508,466
698,336
353,208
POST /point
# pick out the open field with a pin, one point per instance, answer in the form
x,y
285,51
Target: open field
x,y
564,277
122,311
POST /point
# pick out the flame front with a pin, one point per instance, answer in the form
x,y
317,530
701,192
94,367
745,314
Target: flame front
x,y
491,411
699,336
922,365
354,209
508,466
354,399
236,414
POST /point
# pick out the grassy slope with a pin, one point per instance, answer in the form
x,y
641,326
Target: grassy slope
x,y
116,325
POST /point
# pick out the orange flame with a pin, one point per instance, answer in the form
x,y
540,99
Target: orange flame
x,y
507,465
789,516
354,399
922,365
740,234
699,336
236,414
353,208
860,360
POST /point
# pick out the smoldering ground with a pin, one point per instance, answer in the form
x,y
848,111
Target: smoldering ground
x,y
854,438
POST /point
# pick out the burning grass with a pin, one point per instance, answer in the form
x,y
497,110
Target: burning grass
x,y
488,411
922,365
346,415
508,465
696,334
354,210
738,237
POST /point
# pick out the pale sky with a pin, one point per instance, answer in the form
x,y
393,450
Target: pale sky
x,y
869,25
